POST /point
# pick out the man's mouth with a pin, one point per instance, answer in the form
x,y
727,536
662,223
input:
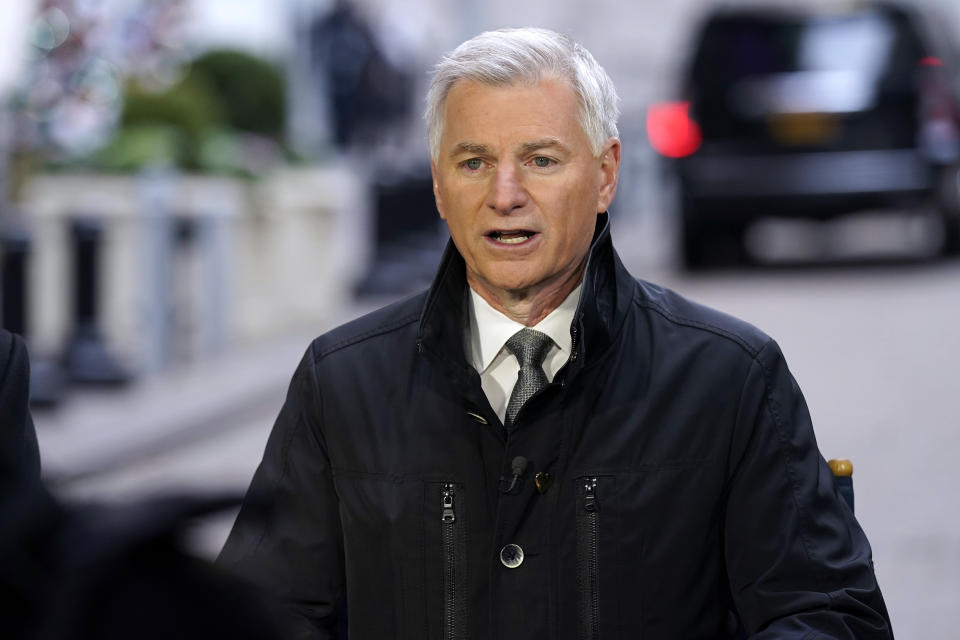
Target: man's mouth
x,y
511,237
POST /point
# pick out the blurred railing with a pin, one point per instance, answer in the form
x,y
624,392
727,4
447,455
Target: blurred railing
x,y
162,268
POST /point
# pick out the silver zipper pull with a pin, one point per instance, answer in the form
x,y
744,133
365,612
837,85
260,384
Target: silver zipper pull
x,y
447,503
590,496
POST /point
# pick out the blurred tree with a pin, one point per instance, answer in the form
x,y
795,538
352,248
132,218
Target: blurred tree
x,y
108,88
190,105
225,115
161,127
251,91
80,54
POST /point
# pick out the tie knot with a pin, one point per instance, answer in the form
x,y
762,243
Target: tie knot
x,y
529,346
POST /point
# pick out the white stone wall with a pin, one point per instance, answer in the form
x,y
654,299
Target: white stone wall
x,y
275,254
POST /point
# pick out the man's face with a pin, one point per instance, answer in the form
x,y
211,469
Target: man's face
x,y
519,186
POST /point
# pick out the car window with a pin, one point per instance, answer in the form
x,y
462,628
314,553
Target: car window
x,y
738,46
751,69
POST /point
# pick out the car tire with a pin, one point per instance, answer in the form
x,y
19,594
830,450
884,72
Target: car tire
x,y
692,247
951,235
948,205
713,243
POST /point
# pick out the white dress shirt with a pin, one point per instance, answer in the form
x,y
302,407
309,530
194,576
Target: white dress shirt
x,y
488,332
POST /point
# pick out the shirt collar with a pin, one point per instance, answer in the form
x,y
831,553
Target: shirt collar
x,y
490,329
608,291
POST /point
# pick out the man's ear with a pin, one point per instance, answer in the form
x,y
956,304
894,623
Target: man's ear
x,y
436,190
609,174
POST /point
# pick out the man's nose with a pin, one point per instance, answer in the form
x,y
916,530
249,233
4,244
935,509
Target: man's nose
x,y
507,191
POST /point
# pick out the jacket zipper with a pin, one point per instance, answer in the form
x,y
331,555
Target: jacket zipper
x,y
574,334
454,550
588,566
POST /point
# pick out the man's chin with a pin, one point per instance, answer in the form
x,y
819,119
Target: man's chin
x,y
521,284
512,285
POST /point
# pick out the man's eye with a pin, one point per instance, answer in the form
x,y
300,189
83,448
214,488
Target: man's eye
x,y
542,161
473,164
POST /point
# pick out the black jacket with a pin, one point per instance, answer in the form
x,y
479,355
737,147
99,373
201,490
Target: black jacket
x,y
19,454
685,487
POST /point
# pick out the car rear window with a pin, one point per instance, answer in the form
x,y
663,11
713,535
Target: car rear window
x,y
751,67
735,47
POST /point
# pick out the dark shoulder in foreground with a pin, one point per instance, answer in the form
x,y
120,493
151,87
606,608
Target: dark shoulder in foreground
x,y
385,320
678,310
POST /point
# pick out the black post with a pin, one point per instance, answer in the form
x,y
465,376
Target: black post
x,y
86,244
15,246
46,376
87,358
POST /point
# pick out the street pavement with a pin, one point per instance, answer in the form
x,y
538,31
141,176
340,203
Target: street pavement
x,y
875,349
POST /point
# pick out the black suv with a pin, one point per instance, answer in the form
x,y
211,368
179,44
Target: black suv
x,y
811,115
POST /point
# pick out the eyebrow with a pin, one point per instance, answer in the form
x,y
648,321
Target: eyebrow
x,y
536,145
525,148
470,147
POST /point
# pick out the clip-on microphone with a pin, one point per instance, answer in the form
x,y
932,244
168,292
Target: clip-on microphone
x,y
518,466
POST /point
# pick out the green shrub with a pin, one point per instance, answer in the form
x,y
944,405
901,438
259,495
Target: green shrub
x,y
191,106
144,145
251,91
198,123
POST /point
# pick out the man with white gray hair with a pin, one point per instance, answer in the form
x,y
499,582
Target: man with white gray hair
x,y
540,445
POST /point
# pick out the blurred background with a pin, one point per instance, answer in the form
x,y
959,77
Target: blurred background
x,y
190,190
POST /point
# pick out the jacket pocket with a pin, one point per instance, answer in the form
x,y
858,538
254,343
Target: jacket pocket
x,y
588,557
453,537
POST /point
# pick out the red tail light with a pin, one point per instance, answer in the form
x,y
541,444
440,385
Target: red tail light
x,y
931,61
671,130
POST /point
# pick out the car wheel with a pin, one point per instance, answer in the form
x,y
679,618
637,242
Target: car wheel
x,y
948,204
713,243
693,250
951,235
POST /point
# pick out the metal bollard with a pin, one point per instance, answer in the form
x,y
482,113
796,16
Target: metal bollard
x,y
46,376
16,247
86,358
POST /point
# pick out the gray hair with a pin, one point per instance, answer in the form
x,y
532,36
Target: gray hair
x,y
525,56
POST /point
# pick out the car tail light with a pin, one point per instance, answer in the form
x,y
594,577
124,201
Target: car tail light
x,y
671,130
931,61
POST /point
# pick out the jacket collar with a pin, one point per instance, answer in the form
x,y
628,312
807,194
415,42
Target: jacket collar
x,y
607,288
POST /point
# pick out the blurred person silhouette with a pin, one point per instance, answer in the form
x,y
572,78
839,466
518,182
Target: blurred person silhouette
x,y
541,445
367,93
83,572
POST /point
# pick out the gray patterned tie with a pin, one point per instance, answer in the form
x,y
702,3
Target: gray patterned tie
x,y
530,347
